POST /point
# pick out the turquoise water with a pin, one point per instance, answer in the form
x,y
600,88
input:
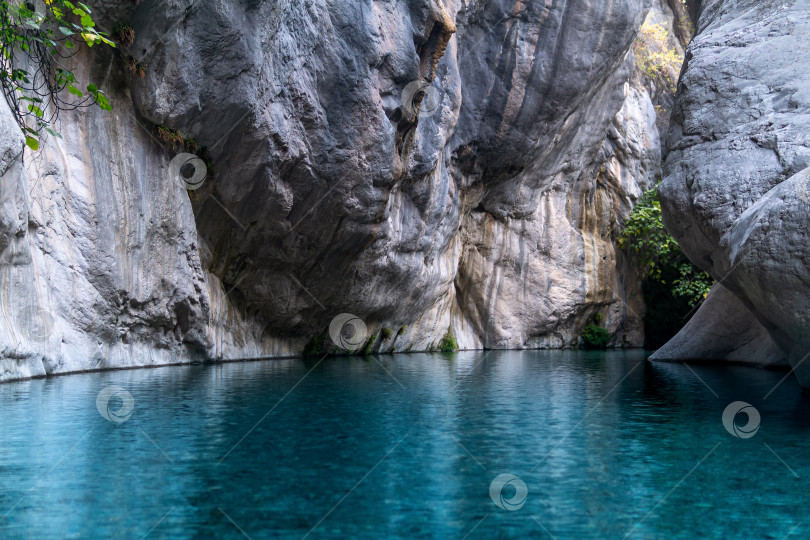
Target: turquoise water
x,y
607,445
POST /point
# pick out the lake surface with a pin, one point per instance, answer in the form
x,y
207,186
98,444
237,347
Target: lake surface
x,y
407,446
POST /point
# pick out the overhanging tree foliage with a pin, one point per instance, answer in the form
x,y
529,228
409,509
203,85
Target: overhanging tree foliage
x,y
37,41
659,255
673,286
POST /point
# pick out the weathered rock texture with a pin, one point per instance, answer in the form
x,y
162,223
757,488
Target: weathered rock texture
x,y
494,217
736,193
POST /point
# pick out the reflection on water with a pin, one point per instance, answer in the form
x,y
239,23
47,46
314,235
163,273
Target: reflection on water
x,y
405,446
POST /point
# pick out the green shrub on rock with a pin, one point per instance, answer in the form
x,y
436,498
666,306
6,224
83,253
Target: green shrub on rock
x,y
369,345
448,342
595,337
673,287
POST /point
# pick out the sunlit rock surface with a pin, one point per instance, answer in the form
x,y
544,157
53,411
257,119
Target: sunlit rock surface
x,y
736,188
492,214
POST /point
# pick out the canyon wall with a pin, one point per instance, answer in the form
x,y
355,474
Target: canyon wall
x,y
460,167
737,182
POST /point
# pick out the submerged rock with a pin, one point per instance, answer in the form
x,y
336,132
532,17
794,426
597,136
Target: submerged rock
x,y
456,168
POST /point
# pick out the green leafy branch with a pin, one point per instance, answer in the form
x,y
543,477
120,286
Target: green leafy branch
x,y
34,47
658,254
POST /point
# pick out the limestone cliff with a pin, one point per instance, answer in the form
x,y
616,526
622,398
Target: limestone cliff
x,y
485,202
736,188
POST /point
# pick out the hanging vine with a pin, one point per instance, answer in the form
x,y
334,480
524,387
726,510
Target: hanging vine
x,y
37,41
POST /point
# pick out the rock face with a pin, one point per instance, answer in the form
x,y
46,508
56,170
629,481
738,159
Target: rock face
x,y
736,188
486,205
723,330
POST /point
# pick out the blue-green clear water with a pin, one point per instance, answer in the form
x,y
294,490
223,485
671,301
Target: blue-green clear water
x,y
407,446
